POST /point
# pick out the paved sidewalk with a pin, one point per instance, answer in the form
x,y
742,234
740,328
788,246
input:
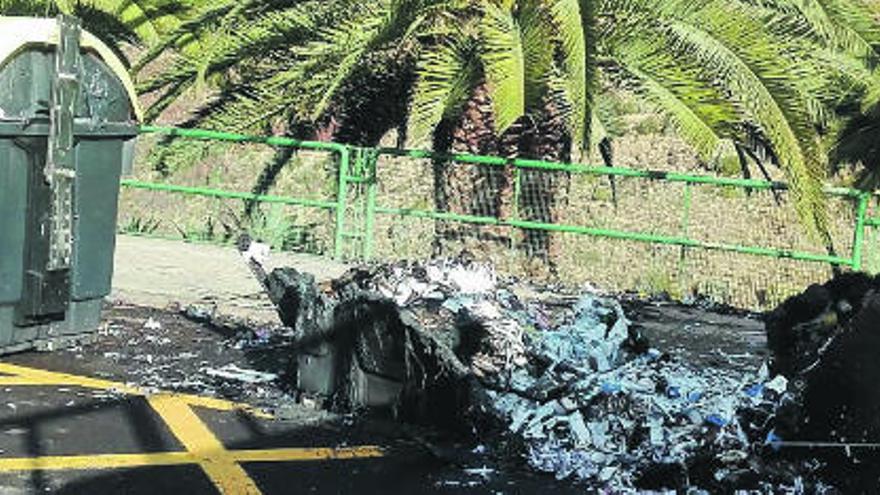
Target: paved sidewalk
x,y
159,273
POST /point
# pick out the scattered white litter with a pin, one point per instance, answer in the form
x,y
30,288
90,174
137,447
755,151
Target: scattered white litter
x,y
778,384
152,324
483,472
233,372
473,279
258,253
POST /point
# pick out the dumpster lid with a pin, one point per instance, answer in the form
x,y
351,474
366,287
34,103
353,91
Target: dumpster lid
x,y
18,33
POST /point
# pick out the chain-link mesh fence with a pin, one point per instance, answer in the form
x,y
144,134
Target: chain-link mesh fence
x,y
214,191
735,241
653,233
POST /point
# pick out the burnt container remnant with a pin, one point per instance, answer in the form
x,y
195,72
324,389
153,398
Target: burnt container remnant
x,y
826,341
68,121
350,349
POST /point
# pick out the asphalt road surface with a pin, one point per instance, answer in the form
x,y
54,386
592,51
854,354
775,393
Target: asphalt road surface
x,y
138,412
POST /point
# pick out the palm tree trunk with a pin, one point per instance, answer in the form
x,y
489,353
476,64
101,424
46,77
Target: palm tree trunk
x,y
490,190
470,189
546,139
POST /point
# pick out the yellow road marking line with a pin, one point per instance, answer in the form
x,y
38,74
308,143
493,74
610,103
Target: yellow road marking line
x,y
224,471
42,377
300,454
22,376
120,461
13,381
202,446
221,405
103,461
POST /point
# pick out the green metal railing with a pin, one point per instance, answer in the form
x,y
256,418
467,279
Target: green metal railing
x,y
854,261
356,196
344,153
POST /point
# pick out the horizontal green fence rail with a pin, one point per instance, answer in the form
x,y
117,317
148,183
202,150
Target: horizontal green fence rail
x,y
609,171
343,151
357,167
224,194
619,234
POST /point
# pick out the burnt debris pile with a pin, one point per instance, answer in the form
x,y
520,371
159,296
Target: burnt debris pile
x,y
563,381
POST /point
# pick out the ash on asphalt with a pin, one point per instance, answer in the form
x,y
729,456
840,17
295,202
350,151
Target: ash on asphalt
x,y
714,336
187,350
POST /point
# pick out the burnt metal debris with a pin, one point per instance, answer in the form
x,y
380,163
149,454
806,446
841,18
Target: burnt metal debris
x,y
560,379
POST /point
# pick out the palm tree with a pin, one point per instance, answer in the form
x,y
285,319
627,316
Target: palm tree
x,y
766,74
859,144
458,62
763,78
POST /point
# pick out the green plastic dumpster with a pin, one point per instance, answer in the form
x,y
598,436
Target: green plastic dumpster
x,y
68,121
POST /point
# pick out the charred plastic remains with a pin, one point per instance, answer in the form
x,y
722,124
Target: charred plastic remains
x,y
562,381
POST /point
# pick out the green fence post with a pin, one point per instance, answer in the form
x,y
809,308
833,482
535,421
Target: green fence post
x,y
371,157
685,222
859,235
341,201
871,254
517,191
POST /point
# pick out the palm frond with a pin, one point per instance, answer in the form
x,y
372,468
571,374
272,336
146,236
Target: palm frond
x,y
503,60
684,110
569,22
145,21
538,53
445,75
733,48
